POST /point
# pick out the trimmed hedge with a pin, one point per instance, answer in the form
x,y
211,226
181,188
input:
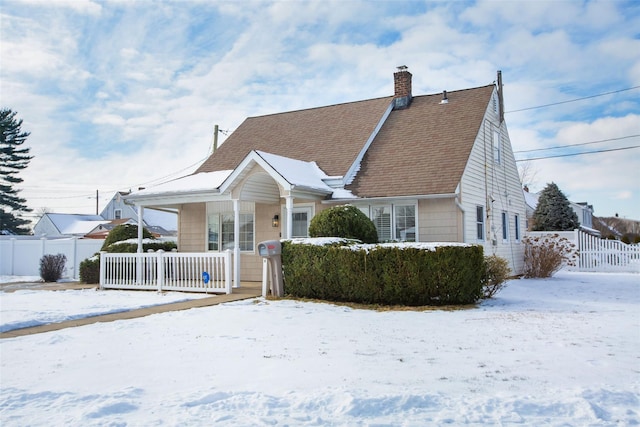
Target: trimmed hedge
x,y
343,221
387,275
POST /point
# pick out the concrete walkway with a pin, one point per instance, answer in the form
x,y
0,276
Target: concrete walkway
x,y
246,290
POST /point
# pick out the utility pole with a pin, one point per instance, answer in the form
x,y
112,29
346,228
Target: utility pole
x,y
96,202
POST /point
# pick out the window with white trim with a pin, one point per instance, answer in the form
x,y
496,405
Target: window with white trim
x,y
381,217
480,223
405,222
393,222
117,214
516,219
505,227
220,230
301,218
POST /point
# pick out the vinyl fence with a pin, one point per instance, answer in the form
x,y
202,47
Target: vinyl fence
x,y
20,255
600,255
167,271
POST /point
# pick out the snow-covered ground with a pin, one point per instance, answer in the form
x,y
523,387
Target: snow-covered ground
x,y
558,352
24,308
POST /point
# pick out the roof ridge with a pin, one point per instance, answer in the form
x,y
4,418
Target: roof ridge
x,y
390,97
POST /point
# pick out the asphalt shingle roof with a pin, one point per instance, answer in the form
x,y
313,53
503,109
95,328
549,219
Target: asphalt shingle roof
x,y
420,150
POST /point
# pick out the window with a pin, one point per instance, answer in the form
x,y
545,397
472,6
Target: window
x,y
393,222
221,231
517,225
381,217
505,226
117,214
497,148
405,221
480,222
301,218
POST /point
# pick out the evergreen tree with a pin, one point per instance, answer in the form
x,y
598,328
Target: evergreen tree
x,y
13,158
554,212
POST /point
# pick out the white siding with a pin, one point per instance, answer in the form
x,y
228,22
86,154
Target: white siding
x,y
497,188
45,227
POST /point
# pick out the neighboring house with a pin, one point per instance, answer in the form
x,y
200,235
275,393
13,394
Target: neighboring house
x,y
431,168
160,222
102,230
583,210
66,225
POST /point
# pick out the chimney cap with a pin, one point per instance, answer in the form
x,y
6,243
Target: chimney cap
x,y
402,67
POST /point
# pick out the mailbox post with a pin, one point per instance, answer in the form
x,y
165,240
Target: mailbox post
x,y
272,251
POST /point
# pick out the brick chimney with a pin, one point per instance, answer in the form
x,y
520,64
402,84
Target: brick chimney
x,y
402,88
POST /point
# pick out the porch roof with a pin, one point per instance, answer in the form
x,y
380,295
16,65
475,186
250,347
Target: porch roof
x,y
292,175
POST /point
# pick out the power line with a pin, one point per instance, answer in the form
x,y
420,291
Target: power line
x,y
579,154
575,145
572,100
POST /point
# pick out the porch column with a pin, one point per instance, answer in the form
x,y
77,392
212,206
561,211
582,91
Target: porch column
x,y
289,205
236,243
140,228
140,250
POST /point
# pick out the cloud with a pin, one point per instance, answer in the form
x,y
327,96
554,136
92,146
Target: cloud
x,y
122,93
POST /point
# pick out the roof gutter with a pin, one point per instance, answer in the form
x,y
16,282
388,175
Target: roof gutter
x,y
382,199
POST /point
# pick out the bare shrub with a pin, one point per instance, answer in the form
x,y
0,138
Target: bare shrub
x,y
496,273
545,255
52,266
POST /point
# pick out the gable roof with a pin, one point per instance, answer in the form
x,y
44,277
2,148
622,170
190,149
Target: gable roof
x,y
423,149
78,224
332,136
419,150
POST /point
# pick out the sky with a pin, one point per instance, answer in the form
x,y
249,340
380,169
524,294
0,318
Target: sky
x,y
125,94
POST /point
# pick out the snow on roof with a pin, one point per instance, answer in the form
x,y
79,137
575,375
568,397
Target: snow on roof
x,y
298,172
75,223
531,198
191,183
164,219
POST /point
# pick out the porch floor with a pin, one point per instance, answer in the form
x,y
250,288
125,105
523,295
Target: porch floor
x,y
246,290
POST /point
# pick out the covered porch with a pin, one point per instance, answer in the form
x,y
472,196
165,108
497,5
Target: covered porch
x,y
223,215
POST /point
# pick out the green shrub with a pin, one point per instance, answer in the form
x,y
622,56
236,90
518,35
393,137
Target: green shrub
x,y
52,267
343,221
90,270
384,274
126,247
124,232
496,273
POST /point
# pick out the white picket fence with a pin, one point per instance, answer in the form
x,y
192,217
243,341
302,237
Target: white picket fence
x,y
604,255
20,255
599,255
167,271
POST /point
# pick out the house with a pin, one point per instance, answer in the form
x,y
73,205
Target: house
x,y
583,210
426,168
66,225
160,222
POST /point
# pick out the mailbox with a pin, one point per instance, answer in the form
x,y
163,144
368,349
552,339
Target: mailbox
x,y
271,250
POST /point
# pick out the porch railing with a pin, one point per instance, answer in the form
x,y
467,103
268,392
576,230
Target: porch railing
x,y
167,271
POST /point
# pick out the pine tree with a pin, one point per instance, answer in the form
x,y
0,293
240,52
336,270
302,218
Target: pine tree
x,y
13,159
554,212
